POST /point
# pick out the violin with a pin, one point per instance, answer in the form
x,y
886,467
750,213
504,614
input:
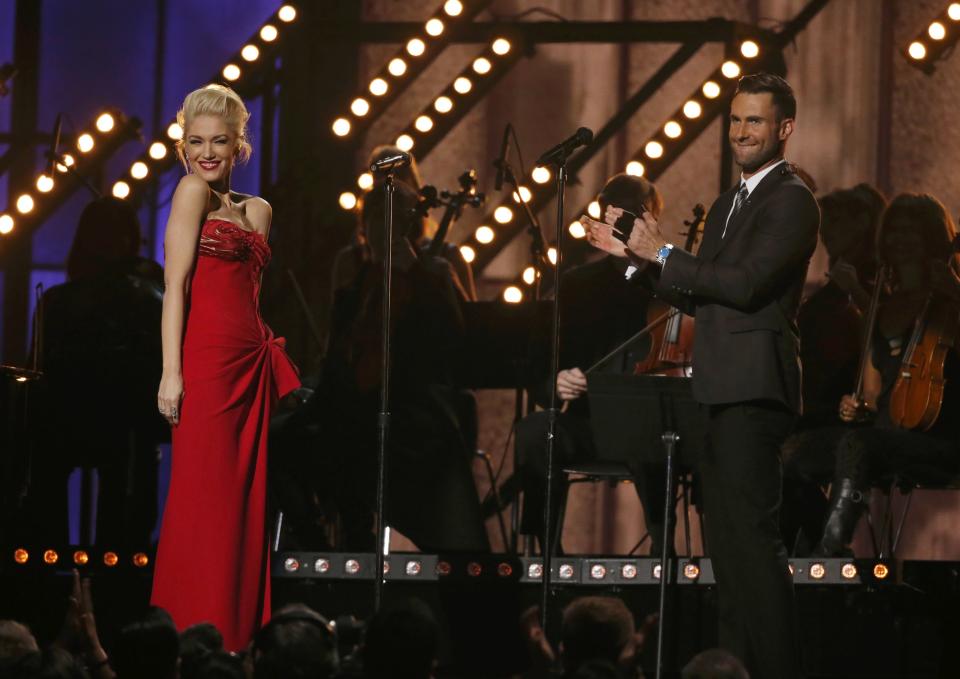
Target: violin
x,y
671,351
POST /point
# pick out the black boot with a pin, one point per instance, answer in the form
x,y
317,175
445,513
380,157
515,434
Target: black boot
x,y
847,503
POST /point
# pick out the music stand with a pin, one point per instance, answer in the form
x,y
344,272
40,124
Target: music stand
x,y
636,417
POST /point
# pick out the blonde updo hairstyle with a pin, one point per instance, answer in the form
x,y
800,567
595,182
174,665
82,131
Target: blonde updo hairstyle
x,y
215,100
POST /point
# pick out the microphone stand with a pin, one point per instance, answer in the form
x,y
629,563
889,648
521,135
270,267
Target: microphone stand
x,y
383,420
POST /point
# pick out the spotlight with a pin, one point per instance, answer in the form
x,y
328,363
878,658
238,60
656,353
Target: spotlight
x,y
121,189
881,571
321,566
365,181
484,234
468,253
503,214
140,560
655,571
351,567
481,65
110,559
68,161
500,46
513,295
540,175
24,203
434,27
953,11
397,67
672,129
85,143
51,557
250,52
730,69
81,558
268,33
6,224
453,7
444,568
462,85
937,31
524,193
360,107
348,201
139,170
535,571
691,571
378,87
917,50
576,230
593,209
529,275
443,104
413,567
21,556
175,132
848,571
565,571
416,47
424,123
341,127
635,168
628,571
287,13
552,255
653,149
598,571
105,122
711,90
474,569
404,142
504,570
749,49
158,150
692,109
817,571
44,184
231,72
291,565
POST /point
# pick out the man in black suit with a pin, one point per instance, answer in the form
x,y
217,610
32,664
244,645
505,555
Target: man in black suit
x,y
744,287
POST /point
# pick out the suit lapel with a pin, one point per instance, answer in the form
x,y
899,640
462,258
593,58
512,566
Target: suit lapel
x,y
756,196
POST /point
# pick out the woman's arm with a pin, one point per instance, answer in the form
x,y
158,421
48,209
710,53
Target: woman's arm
x,y
180,245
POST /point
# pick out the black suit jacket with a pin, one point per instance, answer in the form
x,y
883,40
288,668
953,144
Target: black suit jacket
x,y
744,289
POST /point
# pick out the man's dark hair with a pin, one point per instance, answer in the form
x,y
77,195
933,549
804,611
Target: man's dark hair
x,y
783,99
595,628
53,663
401,642
219,665
108,232
297,643
147,648
714,663
631,193
197,642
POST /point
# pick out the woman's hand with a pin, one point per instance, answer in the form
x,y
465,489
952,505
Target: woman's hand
x,y
852,410
169,397
571,384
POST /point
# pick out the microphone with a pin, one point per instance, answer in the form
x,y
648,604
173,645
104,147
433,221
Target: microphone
x,y
390,162
54,145
560,152
501,161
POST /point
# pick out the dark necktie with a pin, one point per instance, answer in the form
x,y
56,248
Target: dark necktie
x,y
737,204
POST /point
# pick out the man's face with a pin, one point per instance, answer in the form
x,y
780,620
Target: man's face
x,y
757,135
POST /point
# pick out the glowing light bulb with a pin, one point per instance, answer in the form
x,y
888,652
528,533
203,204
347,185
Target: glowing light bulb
x,y
139,170
524,193
540,174
730,69
503,214
416,47
482,65
653,149
937,31
434,27
250,52
453,7
635,168
341,127
378,87
105,122
287,13
529,275
423,123
231,72
711,90
917,50
443,104
462,85
552,255
468,253
749,49
121,189
672,129
44,184
110,559
397,67
500,46
158,150
576,230
268,33
365,181
513,295
953,11
24,203
692,109
175,132
360,107
85,143
6,224
404,142
593,209
484,234
50,556
348,200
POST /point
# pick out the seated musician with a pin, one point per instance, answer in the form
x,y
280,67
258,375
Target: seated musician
x,y
600,309
916,245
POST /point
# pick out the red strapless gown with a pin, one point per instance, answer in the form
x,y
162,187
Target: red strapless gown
x,y
213,557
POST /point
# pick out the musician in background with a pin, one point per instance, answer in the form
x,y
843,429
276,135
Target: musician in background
x,y
600,309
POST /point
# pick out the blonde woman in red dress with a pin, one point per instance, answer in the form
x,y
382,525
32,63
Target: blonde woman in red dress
x,y
223,371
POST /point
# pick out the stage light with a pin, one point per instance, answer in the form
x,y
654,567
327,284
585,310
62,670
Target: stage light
x,y
791,569
484,234
917,50
880,571
500,46
44,183
529,275
110,559
397,67
287,13
937,31
628,571
175,132
291,565
351,567
81,558
413,567
655,571
68,161
817,571
121,189
653,149
635,168
348,200
21,556
593,209
576,230
524,193
749,49
140,560
24,203
848,571
953,11
503,214
474,569
513,295
85,143
268,33
444,568
51,557
453,7
711,90
565,571
691,571
231,72
468,253
365,181
360,107
139,170
434,27
105,122
552,255
504,570
692,109
158,150
730,69
321,566
672,129
462,85
250,52
6,224
404,142
443,104
416,47
540,175
423,123
378,87
482,65
535,571
598,571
